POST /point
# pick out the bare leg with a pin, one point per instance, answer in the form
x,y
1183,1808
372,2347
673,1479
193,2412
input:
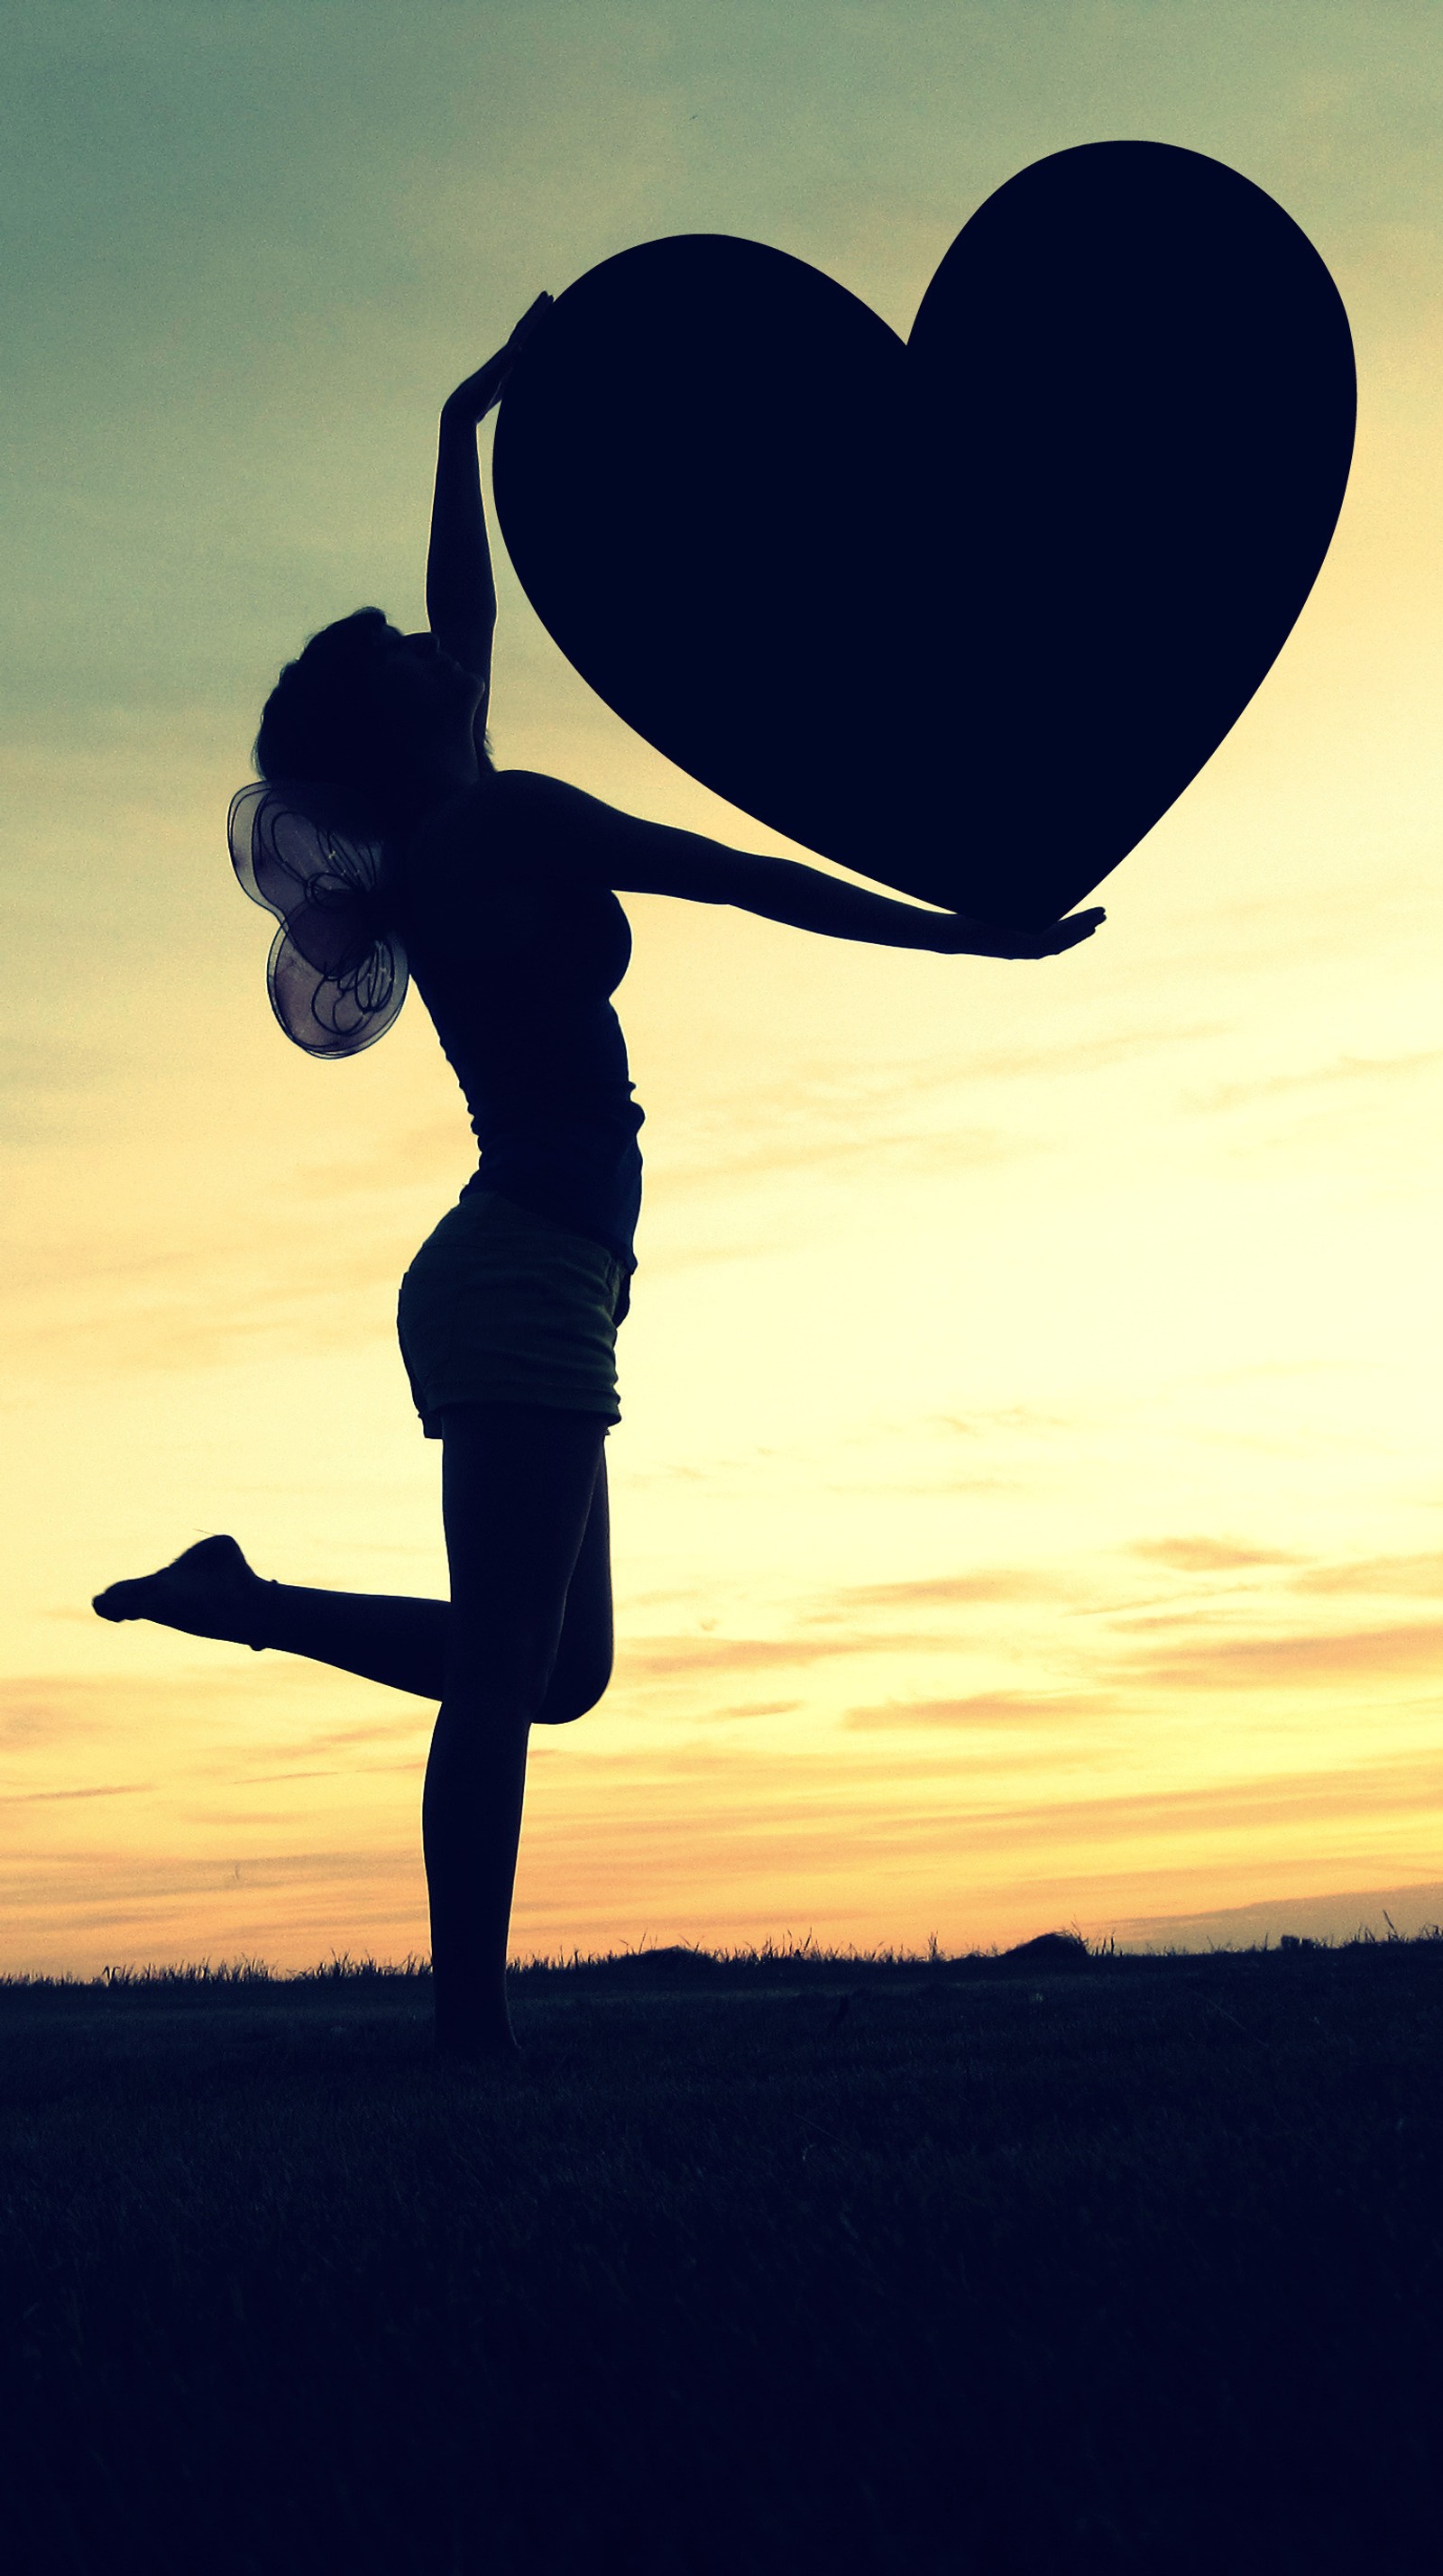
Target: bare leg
x,y
518,1482
394,1638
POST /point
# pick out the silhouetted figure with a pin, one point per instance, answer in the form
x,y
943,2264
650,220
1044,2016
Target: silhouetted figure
x,y
383,838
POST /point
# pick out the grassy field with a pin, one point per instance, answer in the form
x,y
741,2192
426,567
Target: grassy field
x,y
1040,2263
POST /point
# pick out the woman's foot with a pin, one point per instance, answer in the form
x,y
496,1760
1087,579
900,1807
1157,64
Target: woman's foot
x,y
209,1591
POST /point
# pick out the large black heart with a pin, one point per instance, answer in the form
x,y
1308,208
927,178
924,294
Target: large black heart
x,y
966,613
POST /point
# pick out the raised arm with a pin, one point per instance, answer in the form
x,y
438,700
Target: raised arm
x,y
460,592
634,857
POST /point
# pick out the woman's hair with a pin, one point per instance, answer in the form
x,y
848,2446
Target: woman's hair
x,y
329,721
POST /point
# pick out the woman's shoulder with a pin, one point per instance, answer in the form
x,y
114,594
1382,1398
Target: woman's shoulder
x,y
531,801
555,832
518,840
493,862
504,808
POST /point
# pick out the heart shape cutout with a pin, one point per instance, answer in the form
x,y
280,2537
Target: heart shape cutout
x,y
964,613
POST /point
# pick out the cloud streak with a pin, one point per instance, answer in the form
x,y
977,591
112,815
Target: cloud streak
x,y
981,1708
1420,1576
1311,1661
46,1797
1208,1555
933,1592
1348,1071
663,1659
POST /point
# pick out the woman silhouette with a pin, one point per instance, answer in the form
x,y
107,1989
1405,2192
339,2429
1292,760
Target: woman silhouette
x,y
502,887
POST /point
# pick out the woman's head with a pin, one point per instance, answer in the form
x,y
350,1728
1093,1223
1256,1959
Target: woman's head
x,y
382,718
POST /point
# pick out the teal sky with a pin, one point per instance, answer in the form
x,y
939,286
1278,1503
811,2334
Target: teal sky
x,y
1033,1417
250,245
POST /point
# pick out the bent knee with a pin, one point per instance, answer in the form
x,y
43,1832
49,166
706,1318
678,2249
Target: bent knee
x,y
571,1693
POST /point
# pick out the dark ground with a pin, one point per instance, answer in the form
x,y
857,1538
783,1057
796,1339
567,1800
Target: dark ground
x,y
1036,2264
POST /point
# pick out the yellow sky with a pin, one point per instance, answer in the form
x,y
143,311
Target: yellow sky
x,y
1029,1504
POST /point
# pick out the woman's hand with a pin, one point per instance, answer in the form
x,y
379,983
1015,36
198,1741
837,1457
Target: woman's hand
x,y
959,937
472,400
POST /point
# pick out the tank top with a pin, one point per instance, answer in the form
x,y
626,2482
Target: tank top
x,y
516,953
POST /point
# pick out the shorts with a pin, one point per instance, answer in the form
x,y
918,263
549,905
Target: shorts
x,y
503,1307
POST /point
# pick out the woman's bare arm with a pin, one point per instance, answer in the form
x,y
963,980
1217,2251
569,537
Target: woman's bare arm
x,y
783,890
460,590
634,857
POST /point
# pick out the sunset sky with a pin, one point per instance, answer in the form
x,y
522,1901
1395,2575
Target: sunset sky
x,y
1029,1503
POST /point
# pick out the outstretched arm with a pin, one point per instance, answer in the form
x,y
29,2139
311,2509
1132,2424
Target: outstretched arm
x,y
460,592
650,858
782,890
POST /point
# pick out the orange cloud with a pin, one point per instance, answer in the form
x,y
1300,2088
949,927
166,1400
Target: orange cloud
x,y
979,1708
33,1797
686,1658
1421,1575
989,1583
1207,1555
1256,1663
